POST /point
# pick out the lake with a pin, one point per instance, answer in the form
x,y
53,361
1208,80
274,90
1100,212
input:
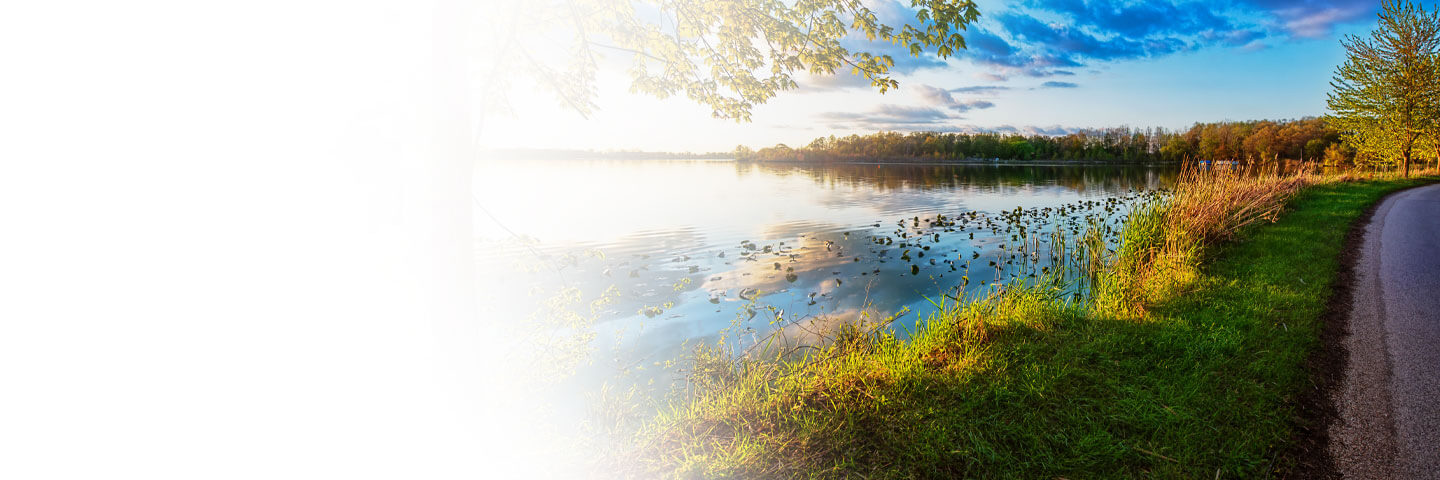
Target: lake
x,y
693,250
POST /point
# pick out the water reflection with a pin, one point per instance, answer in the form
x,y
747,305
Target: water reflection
x,y
683,251
889,177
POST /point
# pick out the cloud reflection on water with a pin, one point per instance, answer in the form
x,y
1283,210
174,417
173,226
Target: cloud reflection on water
x,y
680,268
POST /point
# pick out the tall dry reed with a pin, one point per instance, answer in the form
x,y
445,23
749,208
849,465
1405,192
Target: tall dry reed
x,y
1162,244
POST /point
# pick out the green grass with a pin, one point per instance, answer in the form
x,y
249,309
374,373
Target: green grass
x,y
1027,386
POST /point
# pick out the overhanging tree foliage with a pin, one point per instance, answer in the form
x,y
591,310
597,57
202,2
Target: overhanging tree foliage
x,y
1387,93
729,55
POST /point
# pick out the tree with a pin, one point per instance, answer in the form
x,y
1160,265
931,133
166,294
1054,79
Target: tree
x,y
1335,155
1261,142
743,152
1314,148
1387,93
728,55
1176,149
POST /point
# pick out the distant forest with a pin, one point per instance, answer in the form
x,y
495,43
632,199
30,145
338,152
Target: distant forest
x,y
562,154
1306,139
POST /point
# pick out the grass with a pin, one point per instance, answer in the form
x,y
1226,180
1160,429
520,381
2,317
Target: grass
x,y
1185,363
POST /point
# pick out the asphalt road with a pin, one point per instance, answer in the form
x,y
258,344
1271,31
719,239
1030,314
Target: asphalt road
x,y
1389,398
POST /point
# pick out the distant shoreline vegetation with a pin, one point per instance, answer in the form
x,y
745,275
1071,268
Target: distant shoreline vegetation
x,y
564,154
1308,139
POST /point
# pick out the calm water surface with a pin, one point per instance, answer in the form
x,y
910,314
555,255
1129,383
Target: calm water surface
x,y
684,250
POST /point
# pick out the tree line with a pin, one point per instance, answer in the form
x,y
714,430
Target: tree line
x,y
1308,139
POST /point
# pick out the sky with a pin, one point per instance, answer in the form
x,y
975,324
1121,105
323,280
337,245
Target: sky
x,y
1032,66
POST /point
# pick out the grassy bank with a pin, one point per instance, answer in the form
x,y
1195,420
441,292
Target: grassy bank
x,y
1183,363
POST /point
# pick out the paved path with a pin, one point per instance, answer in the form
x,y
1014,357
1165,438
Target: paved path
x,y
1389,399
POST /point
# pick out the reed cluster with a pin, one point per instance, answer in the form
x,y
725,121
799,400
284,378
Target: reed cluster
x,y
1163,243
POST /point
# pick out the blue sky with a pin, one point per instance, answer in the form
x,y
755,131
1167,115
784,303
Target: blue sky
x,y
1031,66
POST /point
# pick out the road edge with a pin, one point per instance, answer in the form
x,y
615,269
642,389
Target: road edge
x,y
1326,365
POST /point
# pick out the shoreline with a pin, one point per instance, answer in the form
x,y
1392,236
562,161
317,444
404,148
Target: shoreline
x,y
1217,377
967,162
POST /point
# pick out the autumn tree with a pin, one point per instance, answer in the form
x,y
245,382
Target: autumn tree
x,y
1261,143
1387,93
